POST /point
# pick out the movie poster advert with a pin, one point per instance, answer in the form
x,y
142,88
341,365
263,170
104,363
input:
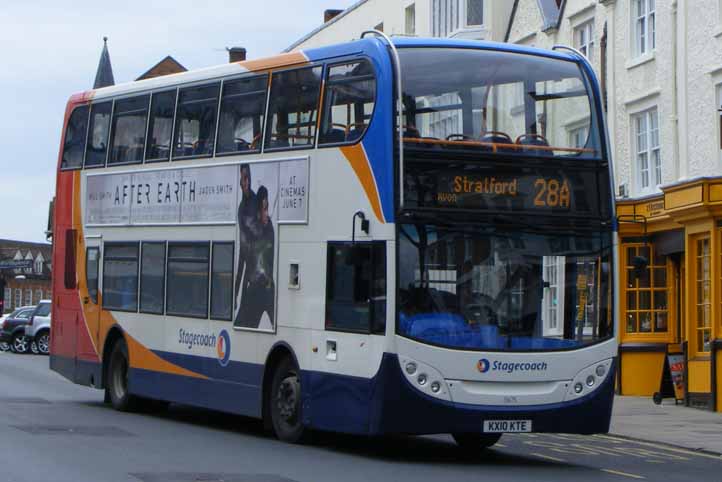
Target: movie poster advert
x,y
211,194
107,199
257,220
169,196
293,192
159,200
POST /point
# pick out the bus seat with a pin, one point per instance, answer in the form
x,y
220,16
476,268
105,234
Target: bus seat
x,y
532,140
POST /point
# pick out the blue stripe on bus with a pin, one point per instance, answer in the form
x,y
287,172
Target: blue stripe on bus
x,y
386,403
236,372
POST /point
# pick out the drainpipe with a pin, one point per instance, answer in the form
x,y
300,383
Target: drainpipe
x,y
680,90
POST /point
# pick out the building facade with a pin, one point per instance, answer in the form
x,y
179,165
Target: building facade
x,y
472,19
25,271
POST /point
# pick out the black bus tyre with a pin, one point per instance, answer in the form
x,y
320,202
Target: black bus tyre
x,y
117,386
474,442
20,344
285,406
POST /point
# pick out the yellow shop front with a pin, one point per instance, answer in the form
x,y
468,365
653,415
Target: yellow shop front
x,y
671,290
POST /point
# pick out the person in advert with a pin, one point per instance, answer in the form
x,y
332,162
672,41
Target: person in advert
x,y
246,215
259,289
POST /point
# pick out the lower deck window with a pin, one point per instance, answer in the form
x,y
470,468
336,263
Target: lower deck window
x,y
356,287
222,281
188,279
120,276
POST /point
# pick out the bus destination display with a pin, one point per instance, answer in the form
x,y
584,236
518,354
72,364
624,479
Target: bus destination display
x,y
546,191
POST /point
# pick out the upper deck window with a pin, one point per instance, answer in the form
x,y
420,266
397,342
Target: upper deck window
x,y
499,102
293,110
195,125
97,148
75,133
348,102
243,105
128,132
160,126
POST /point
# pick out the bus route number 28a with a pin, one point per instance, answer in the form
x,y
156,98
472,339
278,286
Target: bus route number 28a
x,y
551,193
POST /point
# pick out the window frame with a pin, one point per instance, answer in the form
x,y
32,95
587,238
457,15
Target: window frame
x,y
319,105
85,143
695,326
146,160
105,273
410,14
585,28
87,137
195,85
112,129
140,276
370,244
207,284
652,152
95,298
649,44
232,244
246,75
668,289
324,88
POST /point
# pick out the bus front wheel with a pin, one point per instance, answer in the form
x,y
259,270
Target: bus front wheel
x,y
285,402
474,442
117,386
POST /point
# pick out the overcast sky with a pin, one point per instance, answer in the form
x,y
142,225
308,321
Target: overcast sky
x,y
51,50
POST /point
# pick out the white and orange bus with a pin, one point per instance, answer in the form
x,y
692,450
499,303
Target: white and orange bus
x,y
290,238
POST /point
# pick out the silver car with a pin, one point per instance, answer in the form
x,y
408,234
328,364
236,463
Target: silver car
x,y
38,331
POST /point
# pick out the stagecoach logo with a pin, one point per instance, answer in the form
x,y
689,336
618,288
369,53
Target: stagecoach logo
x,y
223,348
485,365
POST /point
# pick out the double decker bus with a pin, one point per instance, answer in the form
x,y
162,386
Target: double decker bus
x,y
385,236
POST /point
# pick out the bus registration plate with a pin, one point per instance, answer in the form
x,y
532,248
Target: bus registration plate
x,y
507,426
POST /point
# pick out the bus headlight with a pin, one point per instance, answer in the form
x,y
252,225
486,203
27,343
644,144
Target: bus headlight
x,y
578,388
591,380
601,370
424,378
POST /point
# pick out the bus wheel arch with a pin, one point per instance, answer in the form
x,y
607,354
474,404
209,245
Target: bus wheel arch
x,y
114,334
280,357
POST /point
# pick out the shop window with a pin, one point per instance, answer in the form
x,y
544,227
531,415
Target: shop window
x,y
646,309
703,298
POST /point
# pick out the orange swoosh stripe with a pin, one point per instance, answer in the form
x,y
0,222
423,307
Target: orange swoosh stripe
x,y
356,156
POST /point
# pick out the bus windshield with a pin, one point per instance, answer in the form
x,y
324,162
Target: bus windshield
x,y
499,102
490,289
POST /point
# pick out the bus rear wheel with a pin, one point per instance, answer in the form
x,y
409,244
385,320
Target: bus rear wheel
x,y
117,386
285,402
475,442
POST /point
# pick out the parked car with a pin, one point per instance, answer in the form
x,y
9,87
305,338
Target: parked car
x,y
13,329
38,331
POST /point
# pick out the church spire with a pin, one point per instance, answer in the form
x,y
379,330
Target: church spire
x,y
104,75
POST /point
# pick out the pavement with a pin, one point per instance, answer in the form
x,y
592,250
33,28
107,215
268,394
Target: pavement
x,y
638,418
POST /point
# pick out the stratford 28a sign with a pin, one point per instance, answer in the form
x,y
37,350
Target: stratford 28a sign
x,y
207,195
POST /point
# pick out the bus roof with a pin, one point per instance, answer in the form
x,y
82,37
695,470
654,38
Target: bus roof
x,y
302,57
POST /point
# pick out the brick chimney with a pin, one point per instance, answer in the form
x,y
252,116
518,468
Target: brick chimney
x,y
330,14
236,54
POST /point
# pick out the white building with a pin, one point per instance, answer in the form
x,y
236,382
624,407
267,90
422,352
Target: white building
x,y
472,19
